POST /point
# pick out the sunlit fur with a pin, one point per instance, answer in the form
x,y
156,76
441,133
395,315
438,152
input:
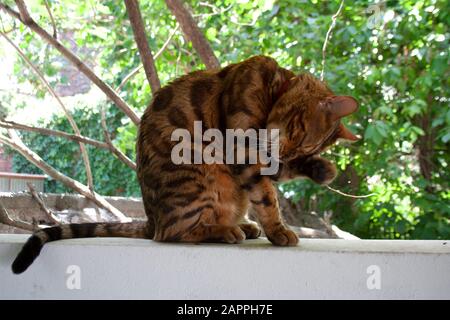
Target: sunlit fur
x,y
195,203
204,203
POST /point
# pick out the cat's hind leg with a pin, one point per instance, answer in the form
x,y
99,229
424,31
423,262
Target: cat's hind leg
x,y
215,233
198,207
201,232
196,225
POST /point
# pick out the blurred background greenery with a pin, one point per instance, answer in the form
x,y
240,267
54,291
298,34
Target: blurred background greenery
x,y
392,56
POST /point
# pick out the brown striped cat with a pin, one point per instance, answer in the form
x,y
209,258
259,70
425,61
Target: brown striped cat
x,y
209,202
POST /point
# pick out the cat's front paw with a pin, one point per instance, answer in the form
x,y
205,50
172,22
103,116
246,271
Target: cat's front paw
x,y
233,235
283,237
320,170
251,230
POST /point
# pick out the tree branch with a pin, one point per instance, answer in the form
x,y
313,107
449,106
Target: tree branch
x,y
325,43
51,132
5,218
47,6
193,33
122,157
82,67
51,216
73,137
136,70
140,37
73,124
16,143
129,76
24,14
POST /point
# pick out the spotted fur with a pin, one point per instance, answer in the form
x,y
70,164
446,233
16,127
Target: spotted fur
x,y
204,203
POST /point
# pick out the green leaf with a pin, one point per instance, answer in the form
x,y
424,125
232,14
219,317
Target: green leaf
x,y
373,134
446,138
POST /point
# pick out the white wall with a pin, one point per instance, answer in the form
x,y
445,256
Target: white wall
x,y
142,269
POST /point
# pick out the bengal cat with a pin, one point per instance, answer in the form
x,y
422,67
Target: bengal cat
x,y
209,202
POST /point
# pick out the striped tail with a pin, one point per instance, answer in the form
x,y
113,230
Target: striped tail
x,y
34,244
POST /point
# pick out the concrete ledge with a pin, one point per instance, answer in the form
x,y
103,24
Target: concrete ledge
x,y
108,268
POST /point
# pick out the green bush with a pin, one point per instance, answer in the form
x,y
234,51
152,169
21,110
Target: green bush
x,y
395,61
111,176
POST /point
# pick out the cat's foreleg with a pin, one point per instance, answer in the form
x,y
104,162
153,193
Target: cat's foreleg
x,y
263,197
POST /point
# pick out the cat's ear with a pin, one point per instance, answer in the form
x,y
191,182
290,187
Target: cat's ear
x,y
344,133
341,106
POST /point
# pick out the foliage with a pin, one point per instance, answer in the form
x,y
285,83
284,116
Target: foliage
x,y
392,57
111,176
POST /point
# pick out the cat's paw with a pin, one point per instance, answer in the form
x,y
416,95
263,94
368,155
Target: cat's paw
x,y
251,230
233,235
321,171
283,237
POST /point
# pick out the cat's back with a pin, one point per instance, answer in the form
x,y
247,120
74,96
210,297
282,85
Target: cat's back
x,y
192,97
183,100
197,96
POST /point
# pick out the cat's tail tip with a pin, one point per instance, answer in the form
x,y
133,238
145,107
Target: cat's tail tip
x,y
27,255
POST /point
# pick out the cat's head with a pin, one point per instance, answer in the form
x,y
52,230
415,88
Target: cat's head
x,y
308,116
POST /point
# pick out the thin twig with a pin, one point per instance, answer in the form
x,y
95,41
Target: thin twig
x,y
51,132
136,70
70,56
350,195
3,26
62,134
166,43
133,72
105,127
51,216
325,43
177,63
69,117
5,218
16,143
18,91
47,6
327,221
216,11
110,144
35,223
